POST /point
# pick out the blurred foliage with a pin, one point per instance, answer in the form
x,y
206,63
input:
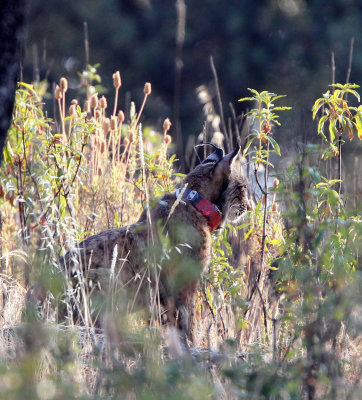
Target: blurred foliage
x,y
285,45
282,45
56,177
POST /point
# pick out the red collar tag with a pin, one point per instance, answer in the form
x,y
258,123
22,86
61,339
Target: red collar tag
x,y
209,210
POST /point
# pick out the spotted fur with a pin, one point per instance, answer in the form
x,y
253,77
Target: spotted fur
x,y
138,254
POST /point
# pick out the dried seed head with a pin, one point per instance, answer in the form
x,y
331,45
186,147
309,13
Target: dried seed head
x,y
86,107
58,93
276,183
266,128
97,114
113,123
120,116
275,207
94,101
166,125
168,139
63,84
106,125
126,141
147,90
117,82
73,110
103,102
103,146
100,171
75,102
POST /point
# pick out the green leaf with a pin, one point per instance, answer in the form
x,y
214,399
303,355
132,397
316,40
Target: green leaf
x,y
321,125
278,96
248,144
355,94
256,93
358,122
274,144
317,107
314,173
247,99
333,182
281,108
7,155
333,197
332,131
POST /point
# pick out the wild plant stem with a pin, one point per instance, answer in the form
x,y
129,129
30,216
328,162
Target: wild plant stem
x,y
119,141
78,165
218,96
265,194
350,58
180,39
141,110
115,102
86,51
339,164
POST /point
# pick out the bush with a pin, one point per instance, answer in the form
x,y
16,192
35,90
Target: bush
x,y
281,297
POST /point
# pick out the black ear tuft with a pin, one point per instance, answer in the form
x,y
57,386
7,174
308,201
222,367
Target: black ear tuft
x,y
229,157
216,156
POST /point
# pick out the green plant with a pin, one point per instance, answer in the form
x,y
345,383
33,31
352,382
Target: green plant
x,y
341,117
262,118
317,275
62,183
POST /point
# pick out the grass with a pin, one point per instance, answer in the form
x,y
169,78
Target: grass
x,y
276,313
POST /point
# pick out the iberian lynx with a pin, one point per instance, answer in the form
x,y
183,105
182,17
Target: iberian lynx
x,y
211,194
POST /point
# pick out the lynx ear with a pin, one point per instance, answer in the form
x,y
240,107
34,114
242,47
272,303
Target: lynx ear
x,y
224,165
230,157
216,156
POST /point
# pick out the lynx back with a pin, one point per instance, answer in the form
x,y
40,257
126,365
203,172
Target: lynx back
x,y
168,249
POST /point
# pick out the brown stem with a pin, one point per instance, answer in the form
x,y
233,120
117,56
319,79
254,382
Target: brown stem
x,y
140,112
350,58
86,50
265,194
78,165
218,96
119,141
115,102
340,163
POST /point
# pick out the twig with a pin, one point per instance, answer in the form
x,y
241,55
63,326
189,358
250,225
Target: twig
x,y
218,96
257,181
333,64
86,51
180,39
350,60
140,111
237,131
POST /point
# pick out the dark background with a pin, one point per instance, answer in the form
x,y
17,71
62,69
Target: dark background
x,y
283,46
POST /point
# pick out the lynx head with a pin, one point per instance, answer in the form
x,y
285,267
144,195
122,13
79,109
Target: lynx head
x,y
234,199
218,180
